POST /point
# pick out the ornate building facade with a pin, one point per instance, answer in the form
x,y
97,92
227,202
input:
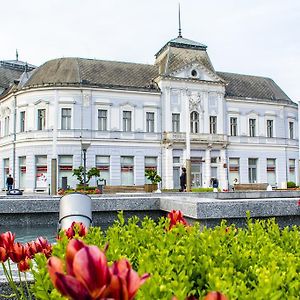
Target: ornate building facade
x,y
131,117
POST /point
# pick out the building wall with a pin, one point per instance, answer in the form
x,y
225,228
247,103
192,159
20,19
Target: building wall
x,y
209,153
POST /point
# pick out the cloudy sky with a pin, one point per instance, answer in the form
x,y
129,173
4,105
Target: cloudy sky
x,y
258,37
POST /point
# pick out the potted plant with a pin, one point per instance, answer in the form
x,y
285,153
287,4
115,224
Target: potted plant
x,y
151,174
79,173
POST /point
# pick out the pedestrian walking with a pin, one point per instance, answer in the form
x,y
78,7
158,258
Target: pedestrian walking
x,y
9,182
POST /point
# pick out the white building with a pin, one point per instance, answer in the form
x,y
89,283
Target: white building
x,y
135,116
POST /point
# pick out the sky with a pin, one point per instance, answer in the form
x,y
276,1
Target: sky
x,y
255,37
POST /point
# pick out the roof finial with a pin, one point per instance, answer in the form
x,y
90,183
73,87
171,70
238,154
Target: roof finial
x,y
179,29
17,55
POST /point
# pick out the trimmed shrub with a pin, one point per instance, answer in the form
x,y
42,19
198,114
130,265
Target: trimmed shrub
x,y
260,261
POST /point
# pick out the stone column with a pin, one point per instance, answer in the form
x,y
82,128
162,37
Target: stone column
x,y
223,180
207,169
167,167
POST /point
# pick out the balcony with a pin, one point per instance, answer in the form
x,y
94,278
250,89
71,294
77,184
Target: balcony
x,y
201,138
75,134
262,140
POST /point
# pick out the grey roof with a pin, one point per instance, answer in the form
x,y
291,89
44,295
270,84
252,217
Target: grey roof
x,y
98,73
255,87
181,42
179,52
133,76
178,58
11,70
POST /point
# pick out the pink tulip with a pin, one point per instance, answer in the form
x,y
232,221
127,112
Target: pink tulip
x,y
87,272
125,282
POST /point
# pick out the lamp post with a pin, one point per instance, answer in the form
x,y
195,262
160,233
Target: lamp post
x,y
84,147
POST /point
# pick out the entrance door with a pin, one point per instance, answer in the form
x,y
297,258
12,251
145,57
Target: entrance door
x,y
176,177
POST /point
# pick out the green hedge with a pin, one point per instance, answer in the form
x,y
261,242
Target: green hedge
x,y
260,261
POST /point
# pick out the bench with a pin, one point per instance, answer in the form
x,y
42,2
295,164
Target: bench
x,y
111,189
251,187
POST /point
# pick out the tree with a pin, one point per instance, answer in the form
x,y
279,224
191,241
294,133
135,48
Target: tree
x,y
79,173
152,175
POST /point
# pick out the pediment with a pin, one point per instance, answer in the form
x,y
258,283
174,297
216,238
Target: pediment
x,y
41,102
196,71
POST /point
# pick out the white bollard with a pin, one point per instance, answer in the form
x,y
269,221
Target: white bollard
x,y
75,207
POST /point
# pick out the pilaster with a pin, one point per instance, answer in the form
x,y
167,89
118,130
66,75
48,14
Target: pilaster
x,y
207,169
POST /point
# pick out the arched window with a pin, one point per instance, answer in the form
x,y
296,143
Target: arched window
x,y
194,122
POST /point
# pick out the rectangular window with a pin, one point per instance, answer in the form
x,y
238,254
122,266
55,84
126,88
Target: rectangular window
x,y
269,128
234,170
271,171
22,172
176,122
66,118
291,130
252,127
150,122
127,166
6,125
41,171
22,121
233,126
103,164
213,124
41,119
252,170
65,169
150,164
102,119
6,166
292,167
126,120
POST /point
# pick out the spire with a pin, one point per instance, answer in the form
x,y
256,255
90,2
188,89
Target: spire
x,y
179,29
17,55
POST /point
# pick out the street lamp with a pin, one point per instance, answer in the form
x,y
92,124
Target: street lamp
x,y
84,147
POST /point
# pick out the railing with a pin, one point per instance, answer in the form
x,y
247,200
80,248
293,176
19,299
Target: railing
x,y
263,140
196,137
84,134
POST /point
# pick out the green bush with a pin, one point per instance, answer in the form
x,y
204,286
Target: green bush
x,y
258,262
202,190
291,184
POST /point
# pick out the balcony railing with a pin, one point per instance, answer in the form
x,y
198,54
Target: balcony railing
x,y
85,134
196,137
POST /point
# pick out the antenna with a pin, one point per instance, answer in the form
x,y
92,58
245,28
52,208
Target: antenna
x,y
179,29
17,54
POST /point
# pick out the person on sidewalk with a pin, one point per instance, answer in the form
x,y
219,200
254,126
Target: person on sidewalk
x,y
183,180
9,182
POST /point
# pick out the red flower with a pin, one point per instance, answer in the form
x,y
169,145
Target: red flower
x,y
176,217
3,254
215,296
76,227
125,282
298,202
87,272
18,252
43,246
24,265
7,240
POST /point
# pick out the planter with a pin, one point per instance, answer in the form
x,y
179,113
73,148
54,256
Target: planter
x,y
150,187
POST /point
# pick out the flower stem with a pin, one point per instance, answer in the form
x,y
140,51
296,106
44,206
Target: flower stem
x,y
8,275
27,287
21,286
